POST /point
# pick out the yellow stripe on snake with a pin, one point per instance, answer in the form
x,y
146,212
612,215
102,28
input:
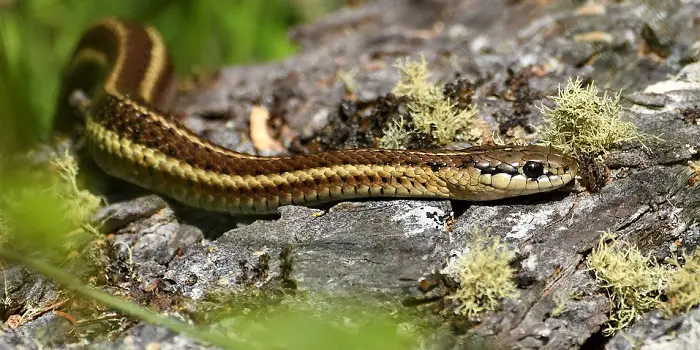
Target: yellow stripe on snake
x,y
126,70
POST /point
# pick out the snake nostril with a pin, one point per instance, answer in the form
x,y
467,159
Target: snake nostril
x,y
533,169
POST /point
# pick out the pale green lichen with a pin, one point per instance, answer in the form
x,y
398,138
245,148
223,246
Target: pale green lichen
x,y
431,111
683,289
79,204
634,283
43,211
584,123
561,300
484,275
396,134
347,77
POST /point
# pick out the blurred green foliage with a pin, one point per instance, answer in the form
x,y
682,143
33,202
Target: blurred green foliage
x,y
36,37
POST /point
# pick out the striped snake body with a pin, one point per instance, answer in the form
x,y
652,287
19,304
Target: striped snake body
x,y
128,137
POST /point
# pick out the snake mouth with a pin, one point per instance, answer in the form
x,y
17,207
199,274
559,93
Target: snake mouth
x,y
530,177
523,183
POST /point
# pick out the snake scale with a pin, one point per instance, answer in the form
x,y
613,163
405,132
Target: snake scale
x,y
125,69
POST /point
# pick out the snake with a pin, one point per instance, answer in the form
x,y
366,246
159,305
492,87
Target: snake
x,y
126,71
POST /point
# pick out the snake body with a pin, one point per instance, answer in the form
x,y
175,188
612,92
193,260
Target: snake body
x,y
129,137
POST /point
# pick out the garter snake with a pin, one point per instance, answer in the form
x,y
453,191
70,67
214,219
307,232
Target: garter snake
x,y
126,70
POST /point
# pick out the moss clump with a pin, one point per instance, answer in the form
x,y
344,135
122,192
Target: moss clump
x,y
79,204
584,123
634,283
683,289
431,111
484,275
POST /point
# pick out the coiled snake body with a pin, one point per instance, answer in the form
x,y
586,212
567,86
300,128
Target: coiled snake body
x,y
128,137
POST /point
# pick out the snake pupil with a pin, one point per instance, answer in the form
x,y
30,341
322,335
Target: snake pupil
x,y
533,169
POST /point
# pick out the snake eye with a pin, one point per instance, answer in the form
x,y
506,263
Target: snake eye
x,y
533,169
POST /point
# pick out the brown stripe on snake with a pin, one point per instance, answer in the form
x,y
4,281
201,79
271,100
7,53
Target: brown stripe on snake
x,y
122,118
128,137
133,60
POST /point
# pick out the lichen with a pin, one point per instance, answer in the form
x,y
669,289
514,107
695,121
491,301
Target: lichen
x,y
396,133
484,275
42,211
561,299
683,291
347,77
634,283
431,111
79,204
584,123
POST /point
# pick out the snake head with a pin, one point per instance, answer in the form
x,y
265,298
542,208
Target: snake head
x,y
501,172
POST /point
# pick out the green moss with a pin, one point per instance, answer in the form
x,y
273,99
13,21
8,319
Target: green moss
x,y
484,275
431,111
584,123
633,282
683,289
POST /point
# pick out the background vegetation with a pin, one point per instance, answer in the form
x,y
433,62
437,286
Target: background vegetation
x,y
36,37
